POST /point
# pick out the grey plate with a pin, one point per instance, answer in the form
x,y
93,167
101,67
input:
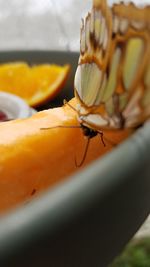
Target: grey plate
x,y
85,221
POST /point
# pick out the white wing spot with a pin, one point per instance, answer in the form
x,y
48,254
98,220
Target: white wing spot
x,y
95,120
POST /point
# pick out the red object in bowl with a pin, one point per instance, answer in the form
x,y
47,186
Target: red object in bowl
x,y
3,116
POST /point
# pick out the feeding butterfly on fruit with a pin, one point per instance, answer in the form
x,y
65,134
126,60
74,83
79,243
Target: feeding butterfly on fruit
x,y
112,80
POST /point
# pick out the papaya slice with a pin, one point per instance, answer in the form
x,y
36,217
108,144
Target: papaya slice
x,y
33,159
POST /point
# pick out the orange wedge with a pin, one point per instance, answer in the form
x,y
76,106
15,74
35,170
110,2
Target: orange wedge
x,y
33,159
35,84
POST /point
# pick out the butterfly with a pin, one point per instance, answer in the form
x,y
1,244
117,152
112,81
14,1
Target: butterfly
x,y
112,80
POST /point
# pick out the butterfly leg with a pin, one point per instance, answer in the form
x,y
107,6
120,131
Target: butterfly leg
x,y
84,155
102,137
62,126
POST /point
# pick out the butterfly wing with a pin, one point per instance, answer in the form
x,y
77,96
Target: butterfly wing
x,y
95,40
116,82
128,98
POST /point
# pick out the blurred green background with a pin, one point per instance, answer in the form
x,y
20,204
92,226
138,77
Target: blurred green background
x,y
136,254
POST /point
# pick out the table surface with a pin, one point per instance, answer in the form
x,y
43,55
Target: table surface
x,y
44,25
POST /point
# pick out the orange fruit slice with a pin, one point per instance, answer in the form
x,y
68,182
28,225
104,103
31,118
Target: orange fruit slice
x,y
33,159
35,84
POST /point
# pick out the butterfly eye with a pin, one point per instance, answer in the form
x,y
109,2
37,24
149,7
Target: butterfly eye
x,y
133,55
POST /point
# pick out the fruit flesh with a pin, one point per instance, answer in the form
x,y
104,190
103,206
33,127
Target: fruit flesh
x,y
36,84
33,159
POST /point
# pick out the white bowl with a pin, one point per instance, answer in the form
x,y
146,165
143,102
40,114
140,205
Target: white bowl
x,y
14,107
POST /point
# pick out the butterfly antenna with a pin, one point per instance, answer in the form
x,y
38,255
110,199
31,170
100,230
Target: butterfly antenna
x,y
84,155
65,102
62,126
